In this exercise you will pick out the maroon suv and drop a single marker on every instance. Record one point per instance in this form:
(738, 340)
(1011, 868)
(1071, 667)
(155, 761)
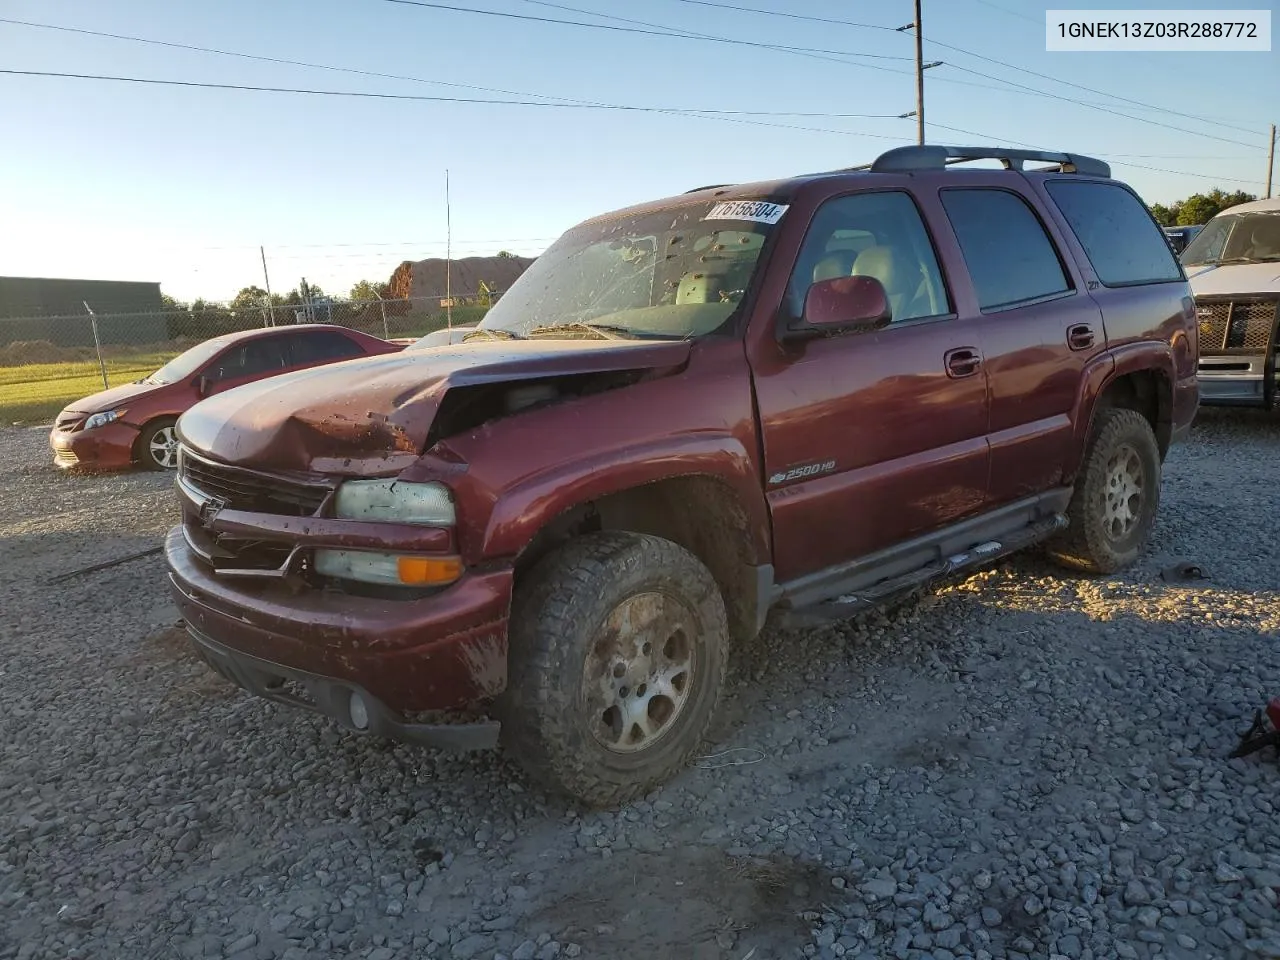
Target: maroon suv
(796, 398)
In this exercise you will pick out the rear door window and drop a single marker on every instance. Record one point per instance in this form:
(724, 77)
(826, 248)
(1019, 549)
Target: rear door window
(322, 346)
(1010, 257)
(1123, 243)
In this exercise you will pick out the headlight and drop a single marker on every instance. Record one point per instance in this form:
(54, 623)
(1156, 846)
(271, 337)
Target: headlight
(102, 419)
(388, 568)
(392, 501)
(395, 501)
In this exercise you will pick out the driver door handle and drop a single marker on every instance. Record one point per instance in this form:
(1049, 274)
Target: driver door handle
(962, 362)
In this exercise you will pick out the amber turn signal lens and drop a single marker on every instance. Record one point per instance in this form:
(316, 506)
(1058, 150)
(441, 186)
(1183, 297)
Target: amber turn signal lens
(423, 571)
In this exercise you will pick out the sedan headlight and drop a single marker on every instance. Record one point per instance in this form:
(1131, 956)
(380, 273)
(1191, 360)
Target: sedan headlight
(395, 501)
(102, 419)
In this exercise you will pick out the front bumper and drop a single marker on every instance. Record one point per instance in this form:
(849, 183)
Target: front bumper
(102, 448)
(1237, 381)
(335, 699)
(439, 653)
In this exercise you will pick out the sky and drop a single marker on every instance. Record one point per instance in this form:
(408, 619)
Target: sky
(181, 185)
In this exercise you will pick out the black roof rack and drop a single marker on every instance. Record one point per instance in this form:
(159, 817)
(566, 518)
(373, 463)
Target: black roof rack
(710, 186)
(935, 157)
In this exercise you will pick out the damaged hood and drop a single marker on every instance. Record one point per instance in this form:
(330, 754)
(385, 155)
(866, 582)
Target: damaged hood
(375, 408)
(1232, 279)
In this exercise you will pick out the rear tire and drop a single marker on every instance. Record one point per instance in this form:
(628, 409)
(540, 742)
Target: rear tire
(1117, 493)
(157, 446)
(618, 657)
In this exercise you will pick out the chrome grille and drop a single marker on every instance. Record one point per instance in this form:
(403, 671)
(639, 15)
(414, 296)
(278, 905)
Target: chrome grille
(1213, 325)
(1247, 326)
(65, 458)
(249, 490)
(69, 421)
(1252, 323)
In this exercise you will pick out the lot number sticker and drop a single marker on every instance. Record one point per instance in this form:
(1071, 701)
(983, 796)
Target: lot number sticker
(757, 211)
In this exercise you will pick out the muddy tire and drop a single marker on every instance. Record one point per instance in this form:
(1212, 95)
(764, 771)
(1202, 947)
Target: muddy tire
(1116, 496)
(157, 445)
(619, 647)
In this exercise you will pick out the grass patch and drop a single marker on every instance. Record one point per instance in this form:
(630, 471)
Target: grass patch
(35, 393)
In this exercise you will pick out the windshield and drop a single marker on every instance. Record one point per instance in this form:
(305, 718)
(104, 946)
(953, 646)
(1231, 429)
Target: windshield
(670, 274)
(1236, 238)
(187, 363)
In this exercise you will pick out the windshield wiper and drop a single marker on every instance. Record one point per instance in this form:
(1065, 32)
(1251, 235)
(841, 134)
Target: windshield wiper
(606, 331)
(496, 333)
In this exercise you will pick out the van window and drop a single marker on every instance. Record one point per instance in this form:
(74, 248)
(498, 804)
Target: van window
(1123, 243)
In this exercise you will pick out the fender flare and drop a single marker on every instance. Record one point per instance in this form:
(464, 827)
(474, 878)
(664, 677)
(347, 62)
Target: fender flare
(1102, 372)
(521, 511)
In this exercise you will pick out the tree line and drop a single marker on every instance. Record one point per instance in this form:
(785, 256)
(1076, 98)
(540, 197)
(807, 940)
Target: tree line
(1197, 209)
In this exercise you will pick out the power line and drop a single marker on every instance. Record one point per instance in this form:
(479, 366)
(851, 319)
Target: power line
(1117, 113)
(660, 32)
(525, 103)
(1078, 86)
(789, 16)
(1012, 13)
(967, 52)
(1136, 166)
(280, 60)
(668, 32)
(392, 76)
(699, 111)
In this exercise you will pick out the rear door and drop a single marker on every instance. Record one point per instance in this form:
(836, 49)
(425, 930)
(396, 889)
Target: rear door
(1039, 327)
(311, 348)
(870, 438)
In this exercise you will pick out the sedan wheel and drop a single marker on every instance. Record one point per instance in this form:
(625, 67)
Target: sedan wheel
(158, 446)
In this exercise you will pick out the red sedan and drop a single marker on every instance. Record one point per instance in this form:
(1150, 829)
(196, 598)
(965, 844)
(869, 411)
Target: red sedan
(134, 423)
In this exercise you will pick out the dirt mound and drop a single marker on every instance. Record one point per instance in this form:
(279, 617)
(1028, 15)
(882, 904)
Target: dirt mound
(426, 278)
(22, 352)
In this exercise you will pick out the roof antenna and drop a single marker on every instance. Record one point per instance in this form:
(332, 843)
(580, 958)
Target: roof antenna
(448, 255)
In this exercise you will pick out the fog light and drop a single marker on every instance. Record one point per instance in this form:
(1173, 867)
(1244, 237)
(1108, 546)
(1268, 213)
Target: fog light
(359, 712)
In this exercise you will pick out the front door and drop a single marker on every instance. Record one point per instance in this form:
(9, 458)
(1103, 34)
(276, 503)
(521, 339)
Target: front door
(251, 360)
(871, 438)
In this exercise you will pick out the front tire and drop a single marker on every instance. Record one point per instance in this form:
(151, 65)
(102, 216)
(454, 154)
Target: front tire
(157, 445)
(618, 654)
(1116, 496)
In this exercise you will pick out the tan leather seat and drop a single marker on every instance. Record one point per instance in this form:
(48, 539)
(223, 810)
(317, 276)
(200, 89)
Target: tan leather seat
(901, 276)
(838, 263)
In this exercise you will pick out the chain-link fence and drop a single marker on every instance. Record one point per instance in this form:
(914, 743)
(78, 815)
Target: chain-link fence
(48, 361)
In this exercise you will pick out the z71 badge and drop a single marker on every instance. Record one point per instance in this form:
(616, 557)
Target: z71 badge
(798, 473)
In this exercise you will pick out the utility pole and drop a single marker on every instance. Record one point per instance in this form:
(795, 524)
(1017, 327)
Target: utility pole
(919, 78)
(1271, 157)
(267, 280)
(921, 67)
(448, 256)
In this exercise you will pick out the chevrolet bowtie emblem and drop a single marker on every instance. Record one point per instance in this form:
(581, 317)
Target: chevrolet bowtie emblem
(209, 510)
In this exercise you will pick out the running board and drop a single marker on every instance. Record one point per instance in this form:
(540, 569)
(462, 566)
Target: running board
(851, 604)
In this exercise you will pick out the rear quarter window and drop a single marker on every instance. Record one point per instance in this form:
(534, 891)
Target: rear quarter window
(1121, 240)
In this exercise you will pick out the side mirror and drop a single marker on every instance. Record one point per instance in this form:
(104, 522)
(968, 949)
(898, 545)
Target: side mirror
(843, 303)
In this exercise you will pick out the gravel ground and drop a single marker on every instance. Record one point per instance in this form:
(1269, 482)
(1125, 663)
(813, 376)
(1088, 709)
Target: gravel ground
(1027, 765)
